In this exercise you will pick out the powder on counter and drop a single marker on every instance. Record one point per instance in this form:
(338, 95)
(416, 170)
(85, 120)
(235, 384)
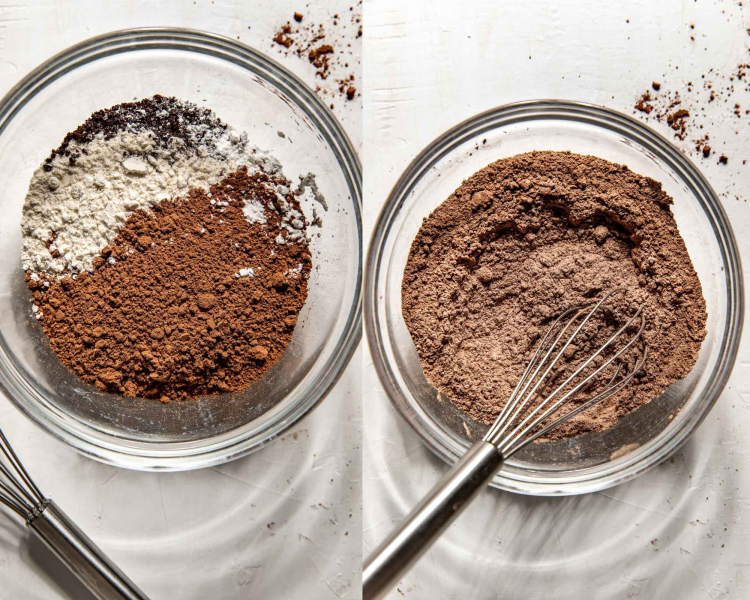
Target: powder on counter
(164, 118)
(190, 298)
(667, 112)
(681, 102)
(528, 237)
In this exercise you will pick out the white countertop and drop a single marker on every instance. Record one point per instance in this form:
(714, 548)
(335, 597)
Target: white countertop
(679, 531)
(281, 523)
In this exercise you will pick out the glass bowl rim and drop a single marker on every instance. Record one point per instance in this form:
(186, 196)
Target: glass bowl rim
(171, 456)
(633, 464)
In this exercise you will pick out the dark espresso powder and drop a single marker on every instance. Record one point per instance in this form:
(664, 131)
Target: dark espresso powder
(191, 299)
(528, 237)
(167, 119)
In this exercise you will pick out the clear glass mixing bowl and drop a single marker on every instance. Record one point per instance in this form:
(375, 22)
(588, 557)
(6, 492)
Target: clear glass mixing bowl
(648, 435)
(254, 94)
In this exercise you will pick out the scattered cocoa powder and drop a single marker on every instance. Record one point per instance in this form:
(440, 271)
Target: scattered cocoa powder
(282, 37)
(644, 103)
(149, 114)
(666, 112)
(676, 120)
(719, 85)
(166, 314)
(528, 237)
(320, 58)
(327, 48)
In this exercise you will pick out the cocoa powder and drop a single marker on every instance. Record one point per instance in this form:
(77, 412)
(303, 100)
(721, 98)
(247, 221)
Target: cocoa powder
(526, 238)
(681, 99)
(191, 298)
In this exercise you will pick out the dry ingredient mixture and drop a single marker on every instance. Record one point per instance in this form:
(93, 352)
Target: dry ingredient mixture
(166, 258)
(526, 238)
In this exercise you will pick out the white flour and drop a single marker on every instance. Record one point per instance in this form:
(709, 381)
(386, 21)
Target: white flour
(81, 207)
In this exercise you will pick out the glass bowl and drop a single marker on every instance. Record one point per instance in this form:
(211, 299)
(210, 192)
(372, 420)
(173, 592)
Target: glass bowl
(252, 93)
(648, 435)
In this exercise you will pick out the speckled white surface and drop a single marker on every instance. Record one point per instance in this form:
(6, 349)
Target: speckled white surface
(281, 523)
(679, 531)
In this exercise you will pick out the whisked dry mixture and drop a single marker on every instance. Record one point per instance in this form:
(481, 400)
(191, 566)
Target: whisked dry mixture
(526, 238)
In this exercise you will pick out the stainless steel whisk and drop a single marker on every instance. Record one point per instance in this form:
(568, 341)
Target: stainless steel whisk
(51, 525)
(518, 424)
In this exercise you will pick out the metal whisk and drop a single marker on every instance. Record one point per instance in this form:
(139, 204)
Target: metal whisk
(19, 493)
(521, 421)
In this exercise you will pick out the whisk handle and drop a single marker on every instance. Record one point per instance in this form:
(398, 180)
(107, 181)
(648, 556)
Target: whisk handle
(97, 572)
(427, 521)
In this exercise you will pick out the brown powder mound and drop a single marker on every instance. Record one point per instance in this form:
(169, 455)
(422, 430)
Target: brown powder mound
(165, 314)
(526, 238)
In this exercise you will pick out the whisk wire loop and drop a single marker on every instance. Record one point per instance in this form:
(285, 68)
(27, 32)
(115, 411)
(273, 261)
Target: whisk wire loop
(55, 529)
(17, 490)
(600, 397)
(579, 311)
(8, 450)
(577, 389)
(514, 428)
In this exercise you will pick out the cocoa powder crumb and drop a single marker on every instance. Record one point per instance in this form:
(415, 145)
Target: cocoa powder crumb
(676, 121)
(282, 38)
(320, 59)
(644, 103)
(168, 316)
(528, 237)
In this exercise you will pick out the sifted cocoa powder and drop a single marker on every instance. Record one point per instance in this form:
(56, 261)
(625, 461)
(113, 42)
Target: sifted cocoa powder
(526, 238)
(190, 299)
